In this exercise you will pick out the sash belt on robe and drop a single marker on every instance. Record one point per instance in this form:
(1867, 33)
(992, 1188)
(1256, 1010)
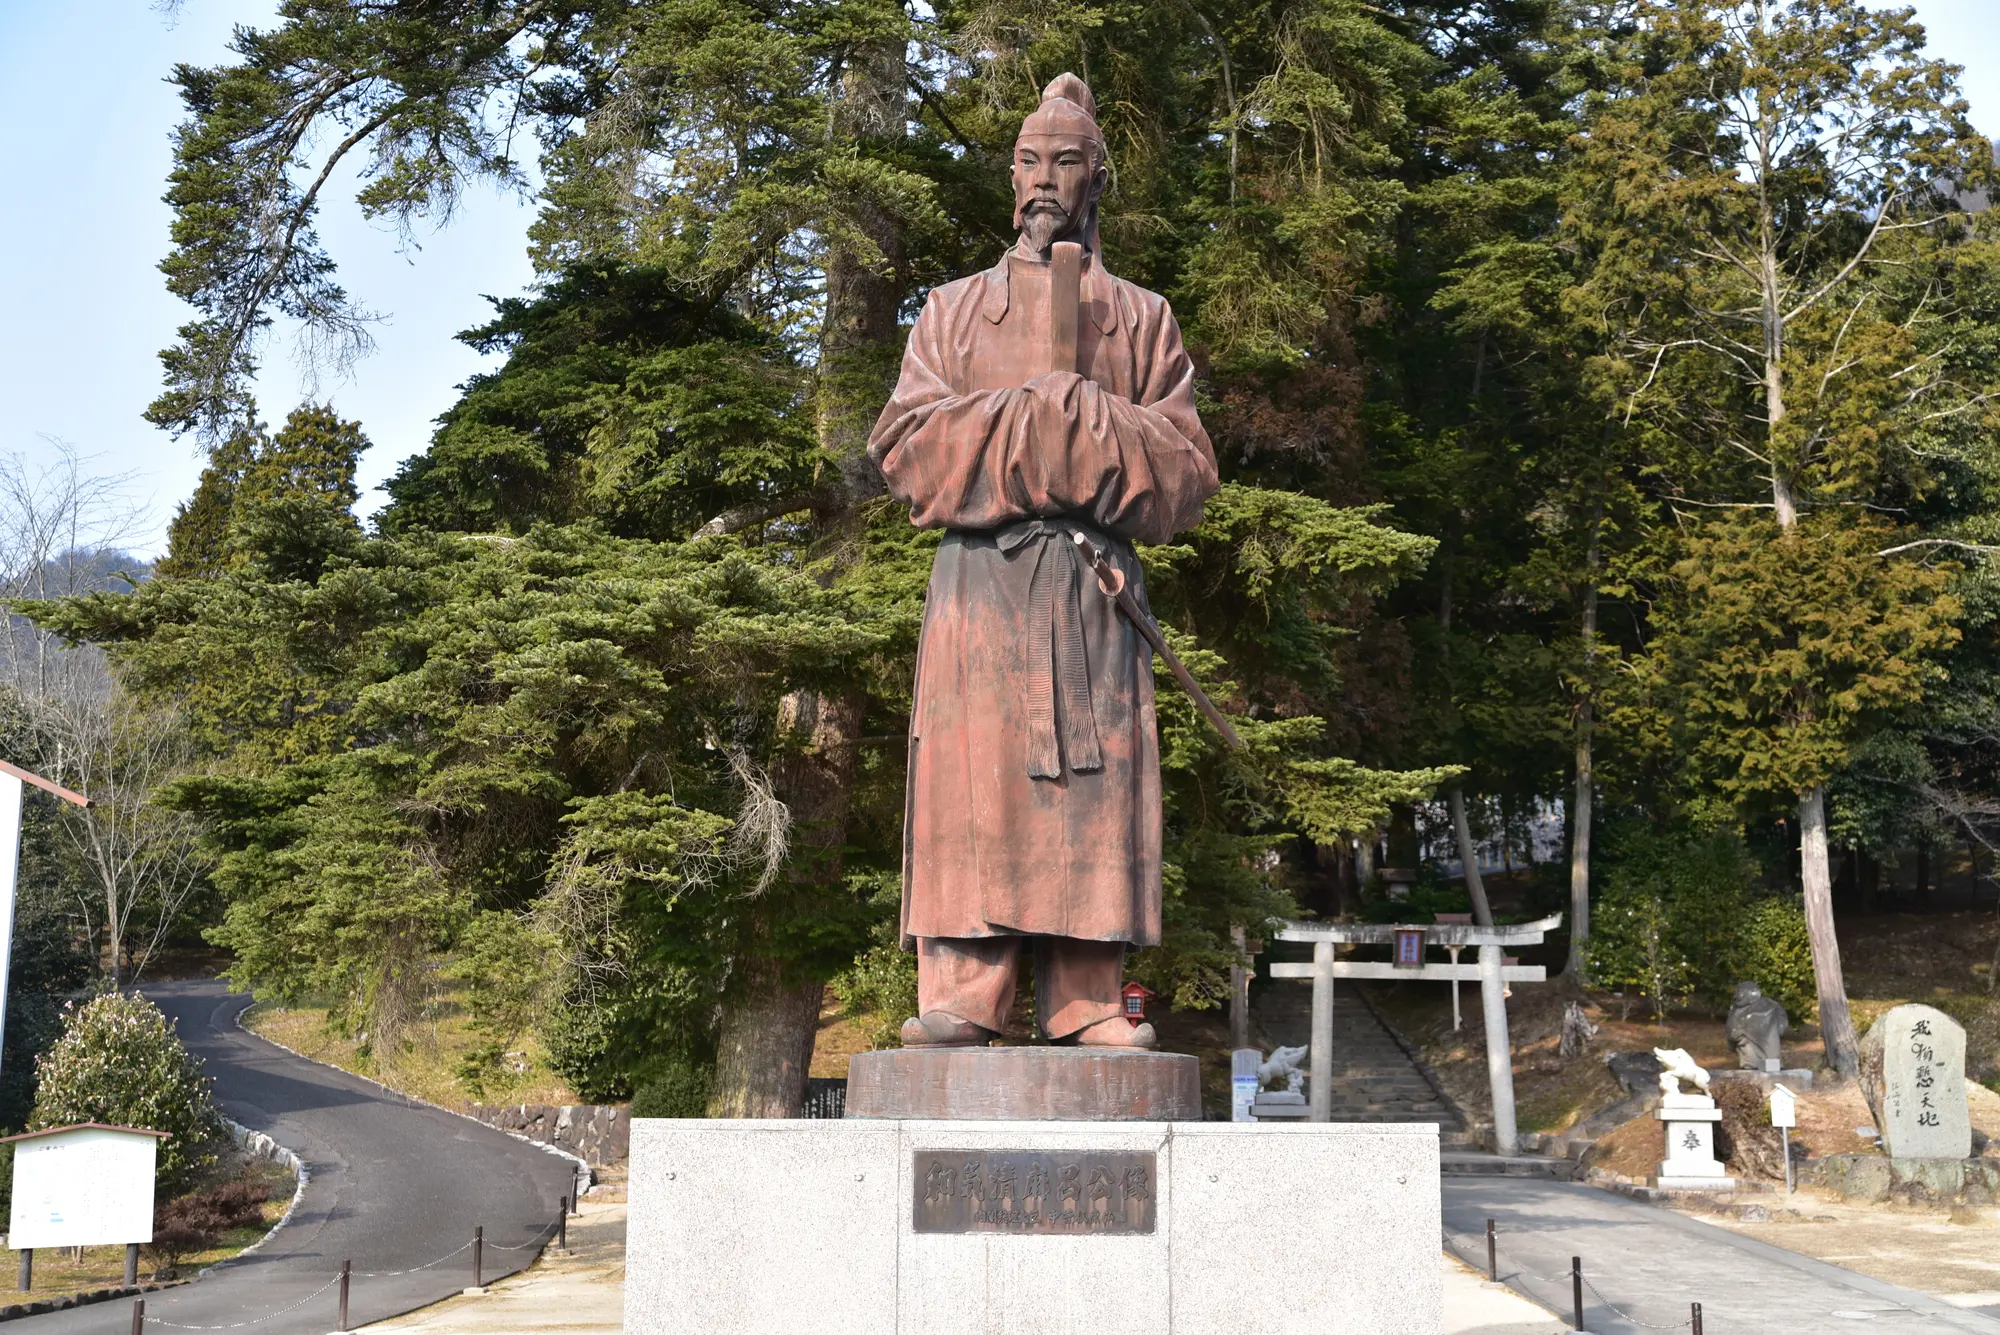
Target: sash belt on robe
(1058, 672)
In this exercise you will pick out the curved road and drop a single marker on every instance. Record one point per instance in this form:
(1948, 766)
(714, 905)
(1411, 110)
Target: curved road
(395, 1184)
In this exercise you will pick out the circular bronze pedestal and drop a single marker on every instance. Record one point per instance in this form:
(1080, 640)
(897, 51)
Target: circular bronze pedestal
(1025, 1084)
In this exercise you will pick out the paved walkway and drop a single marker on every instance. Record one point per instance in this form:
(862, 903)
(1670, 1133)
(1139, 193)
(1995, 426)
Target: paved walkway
(582, 1293)
(1474, 1307)
(1653, 1262)
(395, 1184)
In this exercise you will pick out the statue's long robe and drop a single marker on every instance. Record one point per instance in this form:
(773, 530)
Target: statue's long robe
(1034, 778)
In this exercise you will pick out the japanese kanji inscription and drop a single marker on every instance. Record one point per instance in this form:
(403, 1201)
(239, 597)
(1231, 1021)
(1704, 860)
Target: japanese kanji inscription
(1030, 1191)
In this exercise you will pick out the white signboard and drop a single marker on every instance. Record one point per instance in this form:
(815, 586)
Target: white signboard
(1242, 1094)
(1784, 1107)
(83, 1187)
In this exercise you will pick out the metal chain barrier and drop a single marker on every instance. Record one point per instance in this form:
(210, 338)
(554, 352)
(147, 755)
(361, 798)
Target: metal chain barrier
(1514, 1267)
(393, 1274)
(541, 1239)
(1624, 1315)
(253, 1321)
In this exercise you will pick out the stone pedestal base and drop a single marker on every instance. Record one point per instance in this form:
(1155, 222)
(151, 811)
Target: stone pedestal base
(1691, 1163)
(866, 1227)
(1025, 1084)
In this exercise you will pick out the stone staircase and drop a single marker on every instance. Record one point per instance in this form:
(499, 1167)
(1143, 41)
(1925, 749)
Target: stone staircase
(1376, 1077)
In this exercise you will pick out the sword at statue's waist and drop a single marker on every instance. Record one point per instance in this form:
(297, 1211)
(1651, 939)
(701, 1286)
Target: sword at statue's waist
(1111, 580)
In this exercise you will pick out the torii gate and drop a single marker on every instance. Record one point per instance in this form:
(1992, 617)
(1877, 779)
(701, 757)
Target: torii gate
(1492, 973)
(12, 777)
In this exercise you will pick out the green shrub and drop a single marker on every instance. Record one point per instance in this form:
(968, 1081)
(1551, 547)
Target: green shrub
(119, 1061)
(678, 1089)
(583, 1050)
(881, 984)
(1775, 950)
(1683, 918)
(1633, 948)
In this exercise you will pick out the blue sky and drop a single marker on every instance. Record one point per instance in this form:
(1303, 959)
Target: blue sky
(83, 309)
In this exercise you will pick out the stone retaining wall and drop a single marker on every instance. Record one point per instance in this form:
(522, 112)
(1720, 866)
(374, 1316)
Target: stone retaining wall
(1877, 1177)
(597, 1134)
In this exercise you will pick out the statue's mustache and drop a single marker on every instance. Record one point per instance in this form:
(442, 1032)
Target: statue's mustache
(1046, 205)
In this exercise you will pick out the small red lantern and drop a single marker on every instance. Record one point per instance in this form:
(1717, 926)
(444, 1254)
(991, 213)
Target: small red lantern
(1135, 995)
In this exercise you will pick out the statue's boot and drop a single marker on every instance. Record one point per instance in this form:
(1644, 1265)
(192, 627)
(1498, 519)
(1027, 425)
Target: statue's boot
(942, 1029)
(1116, 1032)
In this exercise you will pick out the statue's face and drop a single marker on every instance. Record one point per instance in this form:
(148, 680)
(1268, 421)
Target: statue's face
(1057, 181)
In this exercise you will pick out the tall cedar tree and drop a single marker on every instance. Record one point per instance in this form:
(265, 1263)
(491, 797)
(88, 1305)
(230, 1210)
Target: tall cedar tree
(1767, 193)
(736, 193)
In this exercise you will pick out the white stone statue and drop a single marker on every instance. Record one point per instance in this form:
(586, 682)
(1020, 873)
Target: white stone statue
(1679, 1067)
(1283, 1064)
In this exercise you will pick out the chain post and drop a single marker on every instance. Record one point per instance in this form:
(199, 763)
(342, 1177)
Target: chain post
(562, 1226)
(1492, 1256)
(1576, 1287)
(138, 1316)
(478, 1246)
(1694, 1317)
(346, 1274)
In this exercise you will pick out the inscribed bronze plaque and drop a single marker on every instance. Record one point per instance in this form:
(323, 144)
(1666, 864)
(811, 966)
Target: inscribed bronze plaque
(1033, 1191)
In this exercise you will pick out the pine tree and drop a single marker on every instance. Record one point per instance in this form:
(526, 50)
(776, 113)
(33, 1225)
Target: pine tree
(198, 536)
(813, 180)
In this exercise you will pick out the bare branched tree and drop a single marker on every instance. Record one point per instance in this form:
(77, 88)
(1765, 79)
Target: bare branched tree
(65, 531)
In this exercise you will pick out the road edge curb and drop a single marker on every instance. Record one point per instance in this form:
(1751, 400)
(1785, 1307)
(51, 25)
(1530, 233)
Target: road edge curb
(583, 1168)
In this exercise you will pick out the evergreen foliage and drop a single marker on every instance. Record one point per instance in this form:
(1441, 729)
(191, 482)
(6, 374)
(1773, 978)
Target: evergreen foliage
(1603, 396)
(120, 1062)
(1683, 917)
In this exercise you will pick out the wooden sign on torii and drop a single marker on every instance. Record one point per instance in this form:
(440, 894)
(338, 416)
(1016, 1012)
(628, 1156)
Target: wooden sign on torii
(1492, 973)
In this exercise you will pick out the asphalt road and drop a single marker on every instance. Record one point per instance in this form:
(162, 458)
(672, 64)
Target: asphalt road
(1646, 1264)
(395, 1184)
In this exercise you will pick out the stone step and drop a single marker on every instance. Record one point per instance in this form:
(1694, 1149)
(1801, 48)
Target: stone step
(1374, 1078)
(1469, 1163)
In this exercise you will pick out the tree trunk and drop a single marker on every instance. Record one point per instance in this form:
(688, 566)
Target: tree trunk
(113, 934)
(1482, 912)
(1239, 990)
(1836, 1026)
(1586, 721)
(1579, 849)
(770, 1014)
(766, 1045)
(861, 339)
(770, 1009)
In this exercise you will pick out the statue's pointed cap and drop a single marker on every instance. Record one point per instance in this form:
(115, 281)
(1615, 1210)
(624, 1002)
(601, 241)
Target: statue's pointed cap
(1067, 109)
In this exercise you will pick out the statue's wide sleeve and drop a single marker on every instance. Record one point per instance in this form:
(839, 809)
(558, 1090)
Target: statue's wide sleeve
(1139, 467)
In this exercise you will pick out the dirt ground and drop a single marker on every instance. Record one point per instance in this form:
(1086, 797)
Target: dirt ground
(1943, 960)
(1955, 1252)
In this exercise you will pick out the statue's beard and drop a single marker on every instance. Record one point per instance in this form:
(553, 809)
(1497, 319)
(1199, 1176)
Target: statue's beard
(1043, 221)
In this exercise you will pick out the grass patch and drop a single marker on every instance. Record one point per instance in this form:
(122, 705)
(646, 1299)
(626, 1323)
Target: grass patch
(64, 1272)
(427, 1063)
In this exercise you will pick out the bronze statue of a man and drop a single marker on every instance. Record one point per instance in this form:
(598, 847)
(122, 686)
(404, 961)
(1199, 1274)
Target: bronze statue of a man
(1034, 790)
